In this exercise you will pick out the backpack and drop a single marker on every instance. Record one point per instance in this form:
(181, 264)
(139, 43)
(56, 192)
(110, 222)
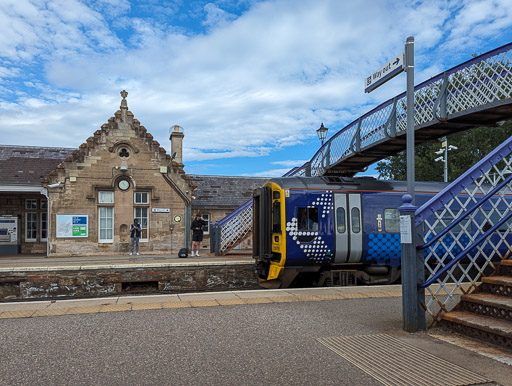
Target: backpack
(183, 252)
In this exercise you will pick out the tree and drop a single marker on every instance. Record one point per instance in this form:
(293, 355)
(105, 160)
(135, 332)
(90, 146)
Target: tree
(472, 146)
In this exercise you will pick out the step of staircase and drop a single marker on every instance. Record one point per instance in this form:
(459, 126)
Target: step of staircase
(498, 280)
(485, 328)
(487, 304)
(487, 299)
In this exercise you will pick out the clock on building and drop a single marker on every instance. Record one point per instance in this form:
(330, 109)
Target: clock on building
(123, 185)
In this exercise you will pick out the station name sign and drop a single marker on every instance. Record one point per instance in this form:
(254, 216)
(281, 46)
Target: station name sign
(391, 69)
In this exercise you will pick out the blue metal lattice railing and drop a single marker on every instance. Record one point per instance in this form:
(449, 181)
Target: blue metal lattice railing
(466, 230)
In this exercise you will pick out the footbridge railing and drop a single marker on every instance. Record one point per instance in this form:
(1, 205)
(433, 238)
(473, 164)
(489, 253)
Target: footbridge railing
(467, 230)
(475, 93)
(455, 100)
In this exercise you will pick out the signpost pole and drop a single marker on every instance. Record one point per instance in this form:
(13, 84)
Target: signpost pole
(412, 262)
(409, 68)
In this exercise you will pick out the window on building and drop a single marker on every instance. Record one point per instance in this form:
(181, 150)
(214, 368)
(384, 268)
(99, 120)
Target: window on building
(105, 197)
(44, 204)
(106, 224)
(31, 226)
(44, 226)
(141, 198)
(392, 220)
(141, 214)
(30, 204)
(206, 228)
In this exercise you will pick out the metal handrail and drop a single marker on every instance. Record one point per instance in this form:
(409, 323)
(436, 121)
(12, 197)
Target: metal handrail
(235, 212)
(459, 257)
(467, 213)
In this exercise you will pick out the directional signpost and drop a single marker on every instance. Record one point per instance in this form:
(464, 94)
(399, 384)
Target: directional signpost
(391, 69)
(412, 264)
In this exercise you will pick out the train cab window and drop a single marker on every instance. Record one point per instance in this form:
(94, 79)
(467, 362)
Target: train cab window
(392, 220)
(276, 217)
(276, 195)
(308, 219)
(355, 220)
(307, 224)
(340, 220)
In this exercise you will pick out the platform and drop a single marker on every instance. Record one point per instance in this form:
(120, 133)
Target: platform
(345, 336)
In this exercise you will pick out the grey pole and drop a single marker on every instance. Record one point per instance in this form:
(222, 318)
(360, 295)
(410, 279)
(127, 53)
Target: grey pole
(411, 262)
(409, 68)
(413, 269)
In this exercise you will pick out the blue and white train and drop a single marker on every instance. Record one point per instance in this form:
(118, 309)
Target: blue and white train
(316, 230)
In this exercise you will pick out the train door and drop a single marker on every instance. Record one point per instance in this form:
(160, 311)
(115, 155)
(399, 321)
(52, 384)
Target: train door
(348, 228)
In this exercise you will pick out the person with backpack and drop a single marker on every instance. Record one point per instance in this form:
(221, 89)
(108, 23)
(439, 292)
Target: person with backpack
(197, 233)
(135, 229)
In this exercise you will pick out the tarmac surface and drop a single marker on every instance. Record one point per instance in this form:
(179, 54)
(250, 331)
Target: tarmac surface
(324, 336)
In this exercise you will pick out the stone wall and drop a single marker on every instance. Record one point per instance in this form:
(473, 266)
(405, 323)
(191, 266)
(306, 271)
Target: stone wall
(82, 282)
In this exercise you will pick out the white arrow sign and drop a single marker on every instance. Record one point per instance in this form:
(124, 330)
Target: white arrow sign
(391, 69)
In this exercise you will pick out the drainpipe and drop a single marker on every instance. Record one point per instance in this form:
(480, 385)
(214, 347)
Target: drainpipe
(45, 192)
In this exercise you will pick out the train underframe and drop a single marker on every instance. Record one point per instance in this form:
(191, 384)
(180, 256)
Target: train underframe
(333, 275)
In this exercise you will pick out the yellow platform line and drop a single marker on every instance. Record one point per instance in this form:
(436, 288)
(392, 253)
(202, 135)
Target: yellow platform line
(192, 303)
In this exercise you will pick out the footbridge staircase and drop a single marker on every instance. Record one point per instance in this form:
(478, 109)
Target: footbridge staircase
(475, 93)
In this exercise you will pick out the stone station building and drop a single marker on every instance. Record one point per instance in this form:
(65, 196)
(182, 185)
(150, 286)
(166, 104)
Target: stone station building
(82, 201)
(65, 202)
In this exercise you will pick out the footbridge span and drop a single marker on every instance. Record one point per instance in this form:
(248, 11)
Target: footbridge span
(475, 93)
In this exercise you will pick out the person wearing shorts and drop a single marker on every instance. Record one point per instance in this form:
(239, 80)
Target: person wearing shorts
(197, 233)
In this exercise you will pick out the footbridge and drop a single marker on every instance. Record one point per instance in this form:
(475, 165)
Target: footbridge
(475, 93)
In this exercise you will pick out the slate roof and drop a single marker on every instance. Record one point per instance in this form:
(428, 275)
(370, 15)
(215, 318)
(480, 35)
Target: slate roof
(29, 164)
(223, 192)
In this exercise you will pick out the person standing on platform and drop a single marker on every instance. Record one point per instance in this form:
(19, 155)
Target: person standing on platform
(197, 233)
(135, 236)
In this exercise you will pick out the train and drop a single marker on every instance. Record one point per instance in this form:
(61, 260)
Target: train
(329, 230)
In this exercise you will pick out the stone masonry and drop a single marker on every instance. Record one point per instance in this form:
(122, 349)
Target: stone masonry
(122, 150)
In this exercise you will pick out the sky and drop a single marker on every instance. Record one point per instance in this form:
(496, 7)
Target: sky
(249, 81)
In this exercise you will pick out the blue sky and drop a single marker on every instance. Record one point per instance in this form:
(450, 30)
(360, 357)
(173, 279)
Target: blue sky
(249, 81)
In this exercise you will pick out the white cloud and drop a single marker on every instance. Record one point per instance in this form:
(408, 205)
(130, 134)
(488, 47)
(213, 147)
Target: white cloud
(252, 84)
(290, 163)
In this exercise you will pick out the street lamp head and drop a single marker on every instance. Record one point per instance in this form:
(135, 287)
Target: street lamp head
(322, 132)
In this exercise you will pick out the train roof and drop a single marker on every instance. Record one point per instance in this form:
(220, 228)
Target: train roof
(357, 183)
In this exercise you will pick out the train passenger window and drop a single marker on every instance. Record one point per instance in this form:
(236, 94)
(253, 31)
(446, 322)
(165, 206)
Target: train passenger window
(495, 217)
(391, 220)
(276, 217)
(355, 219)
(340, 220)
(307, 219)
(447, 219)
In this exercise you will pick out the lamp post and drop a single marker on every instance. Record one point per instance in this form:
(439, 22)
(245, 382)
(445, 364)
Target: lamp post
(444, 157)
(322, 133)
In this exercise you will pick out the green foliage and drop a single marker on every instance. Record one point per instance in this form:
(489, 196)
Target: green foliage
(472, 146)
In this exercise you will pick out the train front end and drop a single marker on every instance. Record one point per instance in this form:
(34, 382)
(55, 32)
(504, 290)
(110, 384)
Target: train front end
(292, 232)
(269, 243)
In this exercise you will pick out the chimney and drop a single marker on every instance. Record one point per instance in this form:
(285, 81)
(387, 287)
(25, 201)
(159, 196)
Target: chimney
(176, 138)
